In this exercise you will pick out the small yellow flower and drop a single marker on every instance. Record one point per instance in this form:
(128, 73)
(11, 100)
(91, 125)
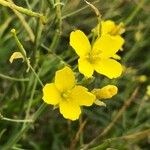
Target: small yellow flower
(109, 27)
(106, 92)
(142, 78)
(68, 96)
(99, 56)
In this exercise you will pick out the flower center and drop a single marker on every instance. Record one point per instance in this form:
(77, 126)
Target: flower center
(65, 95)
(92, 58)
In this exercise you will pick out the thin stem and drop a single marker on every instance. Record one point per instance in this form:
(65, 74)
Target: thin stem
(77, 11)
(2, 132)
(95, 10)
(28, 5)
(36, 75)
(58, 14)
(98, 15)
(135, 11)
(59, 25)
(51, 3)
(54, 54)
(78, 134)
(16, 148)
(39, 111)
(30, 101)
(20, 9)
(16, 137)
(24, 23)
(38, 34)
(13, 78)
(20, 46)
(144, 99)
(14, 120)
(134, 136)
(23, 51)
(31, 98)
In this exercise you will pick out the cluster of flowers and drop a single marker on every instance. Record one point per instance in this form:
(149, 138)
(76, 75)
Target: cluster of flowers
(99, 56)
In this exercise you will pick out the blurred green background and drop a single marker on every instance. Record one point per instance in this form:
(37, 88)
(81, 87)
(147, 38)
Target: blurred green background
(123, 125)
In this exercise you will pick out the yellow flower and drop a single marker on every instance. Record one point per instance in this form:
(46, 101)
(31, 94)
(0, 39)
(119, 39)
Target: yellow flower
(68, 96)
(97, 57)
(106, 92)
(109, 27)
(142, 78)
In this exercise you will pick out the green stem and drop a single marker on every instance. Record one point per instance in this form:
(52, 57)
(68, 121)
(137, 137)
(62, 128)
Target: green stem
(31, 99)
(135, 11)
(20, 9)
(36, 75)
(20, 46)
(144, 99)
(77, 11)
(51, 3)
(28, 5)
(58, 14)
(15, 138)
(98, 15)
(54, 54)
(14, 120)
(13, 79)
(24, 23)
(23, 52)
(59, 25)
(134, 136)
(38, 34)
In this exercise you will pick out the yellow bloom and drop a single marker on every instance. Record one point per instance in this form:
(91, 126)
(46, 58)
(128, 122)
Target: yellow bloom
(109, 27)
(142, 78)
(97, 57)
(106, 92)
(67, 95)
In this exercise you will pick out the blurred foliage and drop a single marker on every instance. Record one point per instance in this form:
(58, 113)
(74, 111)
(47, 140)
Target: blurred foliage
(50, 51)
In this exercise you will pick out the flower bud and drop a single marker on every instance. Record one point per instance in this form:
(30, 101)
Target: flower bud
(106, 92)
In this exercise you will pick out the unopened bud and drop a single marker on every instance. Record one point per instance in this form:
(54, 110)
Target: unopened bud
(106, 92)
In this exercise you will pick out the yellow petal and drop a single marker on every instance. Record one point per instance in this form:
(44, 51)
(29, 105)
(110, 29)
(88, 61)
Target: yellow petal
(81, 96)
(80, 43)
(116, 57)
(119, 29)
(69, 110)
(85, 67)
(50, 94)
(109, 68)
(106, 92)
(15, 55)
(64, 79)
(107, 45)
(111, 28)
(107, 26)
